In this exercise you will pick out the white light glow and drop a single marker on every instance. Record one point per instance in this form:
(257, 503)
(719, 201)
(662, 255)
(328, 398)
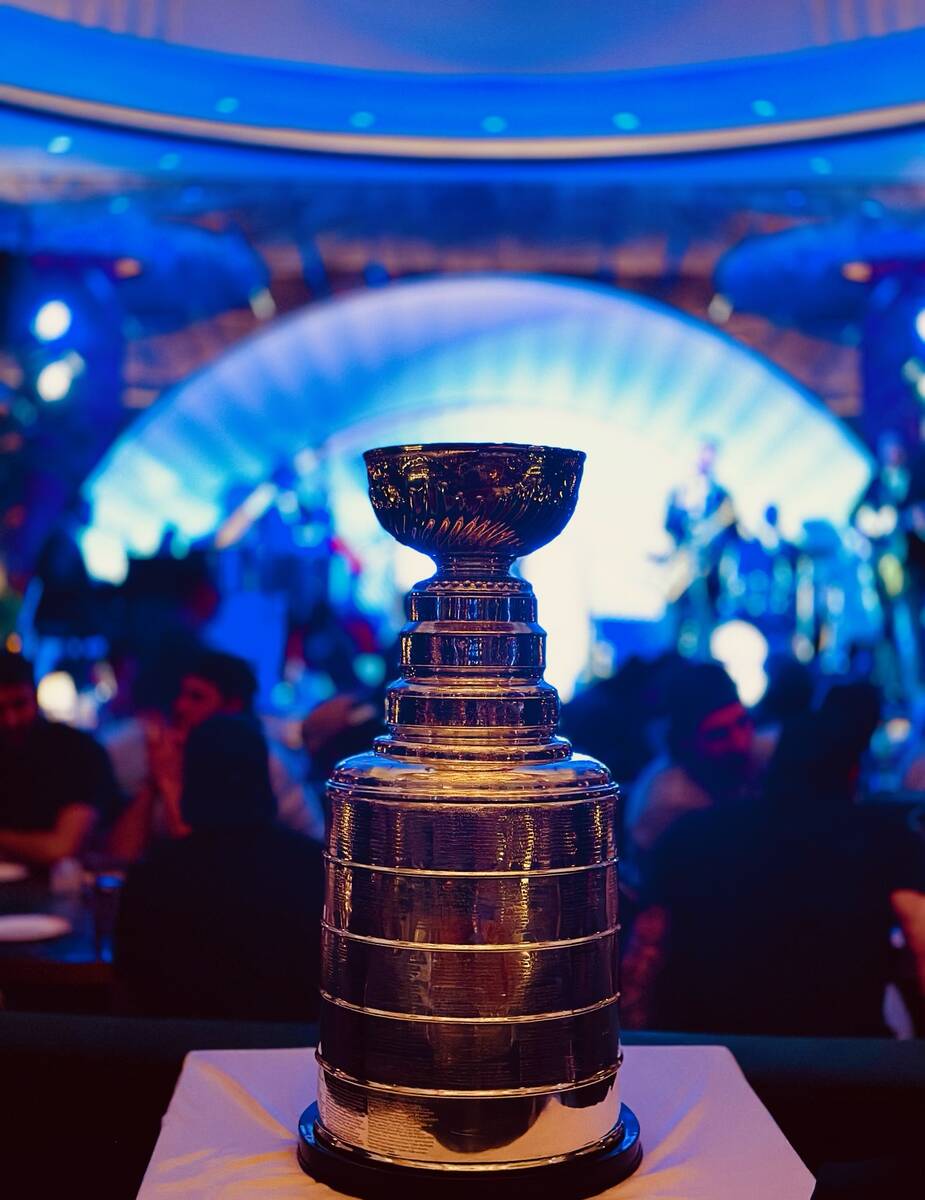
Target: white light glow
(920, 323)
(54, 381)
(743, 650)
(104, 555)
(52, 321)
(57, 696)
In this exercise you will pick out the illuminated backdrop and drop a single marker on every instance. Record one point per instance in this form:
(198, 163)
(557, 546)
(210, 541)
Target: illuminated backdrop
(634, 384)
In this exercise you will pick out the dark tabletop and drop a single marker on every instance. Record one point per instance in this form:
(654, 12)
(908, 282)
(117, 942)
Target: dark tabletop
(81, 958)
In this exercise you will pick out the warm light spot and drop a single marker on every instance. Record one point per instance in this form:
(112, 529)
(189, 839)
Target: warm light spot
(57, 696)
(857, 272)
(127, 268)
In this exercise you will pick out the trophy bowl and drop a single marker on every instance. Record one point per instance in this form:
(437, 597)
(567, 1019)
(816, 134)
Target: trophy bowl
(495, 499)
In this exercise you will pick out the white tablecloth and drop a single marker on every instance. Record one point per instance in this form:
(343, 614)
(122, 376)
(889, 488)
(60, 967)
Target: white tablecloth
(229, 1130)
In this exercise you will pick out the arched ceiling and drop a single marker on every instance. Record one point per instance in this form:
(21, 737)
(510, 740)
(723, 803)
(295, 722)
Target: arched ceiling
(498, 82)
(528, 36)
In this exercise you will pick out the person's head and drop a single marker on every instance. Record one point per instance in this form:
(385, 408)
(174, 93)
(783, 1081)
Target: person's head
(709, 729)
(818, 761)
(19, 709)
(847, 720)
(213, 683)
(789, 692)
(226, 775)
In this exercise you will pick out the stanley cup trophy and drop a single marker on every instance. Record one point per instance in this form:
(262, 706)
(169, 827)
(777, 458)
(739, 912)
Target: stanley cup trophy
(469, 1029)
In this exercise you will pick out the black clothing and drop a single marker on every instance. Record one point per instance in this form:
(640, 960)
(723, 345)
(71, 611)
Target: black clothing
(53, 767)
(223, 924)
(775, 926)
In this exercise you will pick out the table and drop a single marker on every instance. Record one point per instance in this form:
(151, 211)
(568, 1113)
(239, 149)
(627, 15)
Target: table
(229, 1130)
(65, 973)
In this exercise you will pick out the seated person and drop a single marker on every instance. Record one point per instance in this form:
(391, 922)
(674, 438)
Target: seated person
(710, 759)
(147, 752)
(225, 922)
(337, 728)
(55, 782)
(773, 916)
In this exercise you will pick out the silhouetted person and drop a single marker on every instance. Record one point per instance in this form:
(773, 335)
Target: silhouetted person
(224, 922)
(699, 519)
(56, 784)
(774, 916)
(609, 720)
(147, 754)
(788, 698)
(710, 757)
(336, 728)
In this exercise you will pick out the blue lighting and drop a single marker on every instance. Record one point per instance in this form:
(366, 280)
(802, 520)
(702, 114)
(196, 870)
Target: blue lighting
(227, 105)
(764, 108)
(119, 205)
(292, 103)
(362, 119)
(920, 323)
(52, 321)
(820, 165)
(169, 161)
(60, 144)
(494, 124)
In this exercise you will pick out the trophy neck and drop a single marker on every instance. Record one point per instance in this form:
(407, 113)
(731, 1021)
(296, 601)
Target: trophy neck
(472, 661)
(474, 565)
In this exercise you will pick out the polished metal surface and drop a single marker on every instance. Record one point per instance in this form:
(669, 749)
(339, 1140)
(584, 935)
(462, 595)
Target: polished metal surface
(469, 970)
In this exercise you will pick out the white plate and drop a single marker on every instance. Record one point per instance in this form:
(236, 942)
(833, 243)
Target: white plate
(32, 927)
(12, 872)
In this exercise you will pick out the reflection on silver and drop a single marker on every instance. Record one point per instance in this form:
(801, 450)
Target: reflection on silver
(469, 979)
(473, 1130)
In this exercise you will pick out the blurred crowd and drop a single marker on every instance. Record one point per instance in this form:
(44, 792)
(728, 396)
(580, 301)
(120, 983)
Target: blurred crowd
(217, 827)
(759, 894)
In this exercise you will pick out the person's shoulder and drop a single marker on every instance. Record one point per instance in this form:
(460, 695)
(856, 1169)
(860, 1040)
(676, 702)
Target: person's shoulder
(58, 738)
(672, 783)
(654, 772)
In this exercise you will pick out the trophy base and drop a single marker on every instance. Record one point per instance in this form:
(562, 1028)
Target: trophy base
(584, 1175)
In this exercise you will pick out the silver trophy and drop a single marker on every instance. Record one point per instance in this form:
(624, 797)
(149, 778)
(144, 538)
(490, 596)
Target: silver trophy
(469, 1026)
